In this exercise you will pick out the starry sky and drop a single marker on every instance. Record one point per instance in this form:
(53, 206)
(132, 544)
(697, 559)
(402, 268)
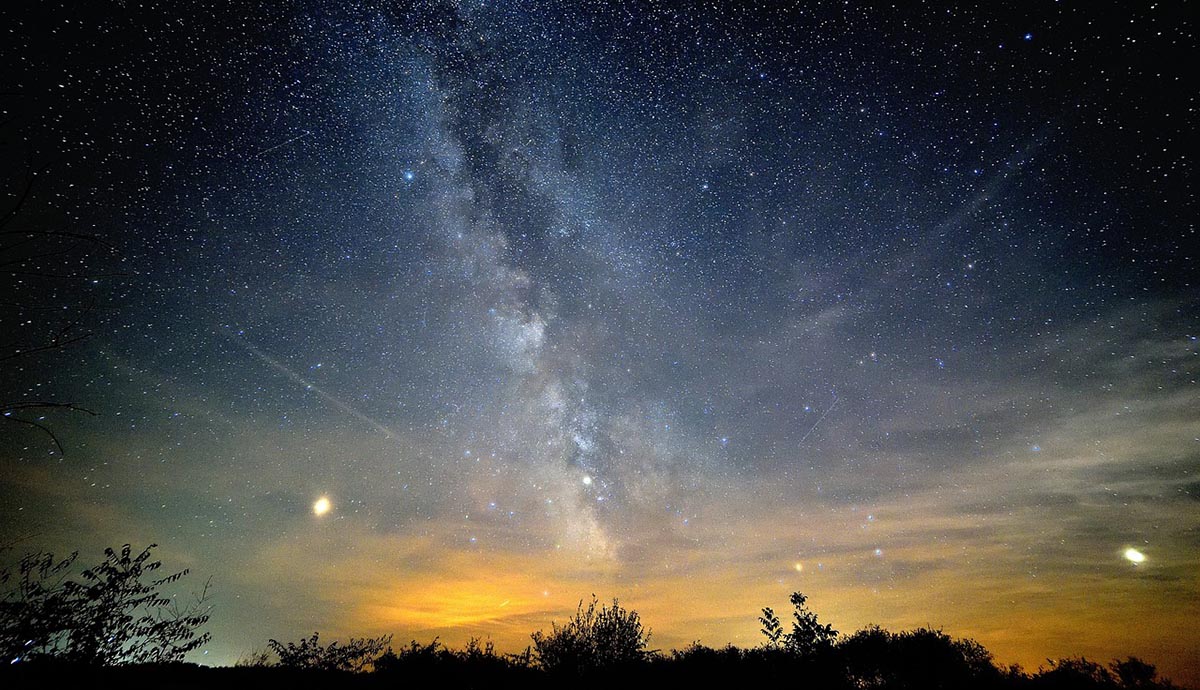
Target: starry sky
(434, 318)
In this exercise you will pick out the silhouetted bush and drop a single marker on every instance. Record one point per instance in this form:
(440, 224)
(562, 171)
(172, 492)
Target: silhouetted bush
(258, 658)
(595, 638)
(414, 657)
(876, 658)
(696, 662)
(1078, 673)
(356, 655)
(697, 655)
(476, 665)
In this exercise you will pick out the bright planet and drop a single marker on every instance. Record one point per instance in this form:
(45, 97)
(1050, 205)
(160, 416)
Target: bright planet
(321, 506)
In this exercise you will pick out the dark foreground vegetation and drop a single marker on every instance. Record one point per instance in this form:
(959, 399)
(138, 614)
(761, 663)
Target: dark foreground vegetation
(116, 625)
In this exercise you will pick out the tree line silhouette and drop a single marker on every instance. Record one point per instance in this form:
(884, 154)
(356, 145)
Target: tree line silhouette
(119, 622)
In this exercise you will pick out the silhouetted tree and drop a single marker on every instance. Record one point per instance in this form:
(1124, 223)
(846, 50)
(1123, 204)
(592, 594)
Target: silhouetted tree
(595, 638)
(1135, 673)
(772, 629)
(112, 614)
(808, 636)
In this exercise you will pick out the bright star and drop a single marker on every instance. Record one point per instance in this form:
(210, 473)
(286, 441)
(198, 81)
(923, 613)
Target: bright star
(587, 481)
(1134, 556)
(322, 506)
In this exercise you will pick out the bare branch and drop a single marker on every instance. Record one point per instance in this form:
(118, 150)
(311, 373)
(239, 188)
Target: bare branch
(52, 345)
(59, 233)
(44, 405)
(22, 197)
(45, 429)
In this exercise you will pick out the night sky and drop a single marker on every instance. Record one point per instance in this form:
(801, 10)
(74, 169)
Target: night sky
(693, 306)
